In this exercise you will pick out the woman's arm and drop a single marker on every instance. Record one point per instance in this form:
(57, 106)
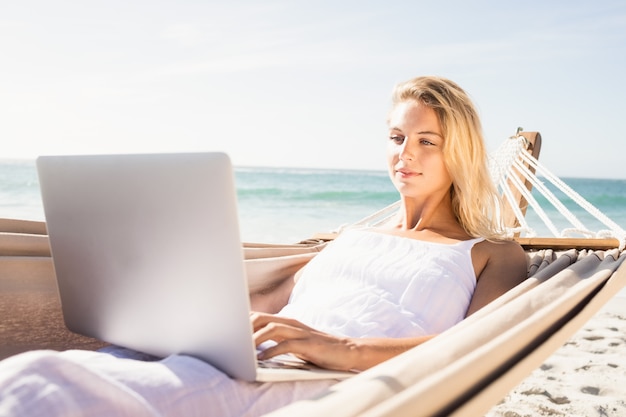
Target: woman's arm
(273, 296)
(325, 350)
(500, 266)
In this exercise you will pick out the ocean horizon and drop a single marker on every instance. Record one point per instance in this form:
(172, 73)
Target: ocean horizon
(286, 205)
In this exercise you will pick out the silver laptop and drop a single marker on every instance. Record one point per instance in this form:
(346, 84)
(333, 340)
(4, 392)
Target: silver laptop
(147, 254)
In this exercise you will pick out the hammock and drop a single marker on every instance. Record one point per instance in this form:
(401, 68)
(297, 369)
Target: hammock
(463, 371)
(469, 368)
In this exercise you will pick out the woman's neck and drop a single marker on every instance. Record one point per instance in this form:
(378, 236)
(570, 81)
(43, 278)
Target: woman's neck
(427, 220)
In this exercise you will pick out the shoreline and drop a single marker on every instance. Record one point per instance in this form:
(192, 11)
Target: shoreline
(585, 377)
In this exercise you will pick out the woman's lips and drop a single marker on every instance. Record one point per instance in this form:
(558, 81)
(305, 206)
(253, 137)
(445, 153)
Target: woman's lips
(406, 173)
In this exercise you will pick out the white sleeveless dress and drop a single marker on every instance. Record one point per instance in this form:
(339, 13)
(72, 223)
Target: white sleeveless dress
(363, 284)
(371, 284)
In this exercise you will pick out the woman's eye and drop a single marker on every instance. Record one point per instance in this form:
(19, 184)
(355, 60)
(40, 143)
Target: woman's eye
(426, 142)
(399, 140)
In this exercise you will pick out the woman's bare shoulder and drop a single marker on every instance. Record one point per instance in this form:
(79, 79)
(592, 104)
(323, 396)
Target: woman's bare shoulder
(500, 247)
(503, 255)
(499, 267)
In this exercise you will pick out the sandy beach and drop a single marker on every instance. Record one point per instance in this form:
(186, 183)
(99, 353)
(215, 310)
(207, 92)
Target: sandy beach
(586, 377)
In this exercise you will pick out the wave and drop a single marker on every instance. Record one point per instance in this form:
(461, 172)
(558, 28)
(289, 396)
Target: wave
(309, 171)
(339, 196)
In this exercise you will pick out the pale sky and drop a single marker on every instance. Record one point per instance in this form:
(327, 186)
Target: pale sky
(307, 83)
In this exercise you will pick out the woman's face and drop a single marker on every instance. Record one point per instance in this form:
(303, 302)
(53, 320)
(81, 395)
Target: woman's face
(415, 151)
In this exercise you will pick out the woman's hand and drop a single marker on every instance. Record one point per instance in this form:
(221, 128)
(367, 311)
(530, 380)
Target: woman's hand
(325, 350)
(308, 344)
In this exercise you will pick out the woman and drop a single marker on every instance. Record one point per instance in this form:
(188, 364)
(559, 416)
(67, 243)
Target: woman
(370, 295)
(436, 160)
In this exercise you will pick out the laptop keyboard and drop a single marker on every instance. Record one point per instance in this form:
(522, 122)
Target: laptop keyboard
(285, 362)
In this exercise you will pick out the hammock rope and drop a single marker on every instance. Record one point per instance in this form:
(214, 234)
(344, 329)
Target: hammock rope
(534, 204)
(511, 162)
(511, 165)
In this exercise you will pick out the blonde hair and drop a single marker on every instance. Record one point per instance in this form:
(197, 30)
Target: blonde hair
(475, 200)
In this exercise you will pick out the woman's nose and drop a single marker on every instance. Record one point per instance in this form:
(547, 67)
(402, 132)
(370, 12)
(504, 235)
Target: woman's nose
(407, 152)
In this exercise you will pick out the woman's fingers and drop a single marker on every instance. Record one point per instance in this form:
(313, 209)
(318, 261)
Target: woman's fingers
(291, 346)
(293, 337)
(261, 320)
(278, 332)
(267, 327)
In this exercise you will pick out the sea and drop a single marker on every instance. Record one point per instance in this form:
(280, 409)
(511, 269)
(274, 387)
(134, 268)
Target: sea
(287, 205)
